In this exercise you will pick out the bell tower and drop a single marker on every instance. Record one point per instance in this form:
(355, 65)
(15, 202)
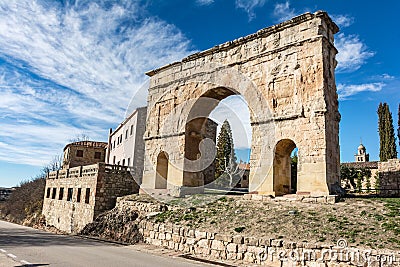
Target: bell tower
(362, 155)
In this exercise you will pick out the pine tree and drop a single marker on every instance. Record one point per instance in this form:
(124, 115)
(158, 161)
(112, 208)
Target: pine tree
(225, 162)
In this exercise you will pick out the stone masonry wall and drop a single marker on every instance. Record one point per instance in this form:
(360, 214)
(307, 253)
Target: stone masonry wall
(104, 184)
(113, 181)
(253, 250)
(389, 177)
(72, 159)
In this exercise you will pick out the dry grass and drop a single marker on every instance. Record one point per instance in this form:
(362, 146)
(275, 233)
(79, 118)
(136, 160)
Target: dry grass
(368, 223)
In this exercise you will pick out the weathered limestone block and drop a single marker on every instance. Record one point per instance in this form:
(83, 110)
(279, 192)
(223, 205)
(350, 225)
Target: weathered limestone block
(200, 234)
(251, 241)
(238, 239)
(218, 245)
(249, 257)
(225, 238)
(232, 248)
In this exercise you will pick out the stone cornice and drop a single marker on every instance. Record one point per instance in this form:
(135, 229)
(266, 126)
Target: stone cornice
(242, 40)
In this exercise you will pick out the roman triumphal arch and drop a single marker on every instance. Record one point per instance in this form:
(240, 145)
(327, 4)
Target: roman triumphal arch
(286, 74)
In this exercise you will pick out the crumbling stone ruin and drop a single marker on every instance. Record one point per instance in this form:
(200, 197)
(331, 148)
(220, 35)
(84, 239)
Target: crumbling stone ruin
(286, 74)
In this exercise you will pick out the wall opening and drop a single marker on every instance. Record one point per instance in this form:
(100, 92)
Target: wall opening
(87, 196)
(69, 194)
(78, 195)
(61, 193)
(162, 171)
(203, 125)
(285, 177)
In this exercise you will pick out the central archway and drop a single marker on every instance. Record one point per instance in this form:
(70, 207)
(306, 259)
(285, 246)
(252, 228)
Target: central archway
(200, 137)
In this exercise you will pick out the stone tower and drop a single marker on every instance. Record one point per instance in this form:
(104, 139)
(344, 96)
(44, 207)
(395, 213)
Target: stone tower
(362, 155)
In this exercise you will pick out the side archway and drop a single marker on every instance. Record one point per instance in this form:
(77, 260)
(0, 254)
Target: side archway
(162, 171)
(284, 183)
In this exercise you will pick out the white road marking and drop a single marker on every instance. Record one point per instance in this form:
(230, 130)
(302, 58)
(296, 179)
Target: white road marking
(11, 255)
(26, 262)
(3, 251)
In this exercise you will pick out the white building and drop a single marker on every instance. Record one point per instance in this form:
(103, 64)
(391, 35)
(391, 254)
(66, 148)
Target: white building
(126, 144)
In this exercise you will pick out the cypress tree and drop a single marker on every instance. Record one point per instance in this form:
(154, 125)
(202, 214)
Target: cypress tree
(381, 130)
(387, 138)
(390, 136)
(398, 125)
(225, 159)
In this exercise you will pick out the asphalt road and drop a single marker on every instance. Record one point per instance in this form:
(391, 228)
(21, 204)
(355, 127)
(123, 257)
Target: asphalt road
(24, 246)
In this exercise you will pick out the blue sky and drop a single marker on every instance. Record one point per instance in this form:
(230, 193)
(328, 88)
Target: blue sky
(71, 67)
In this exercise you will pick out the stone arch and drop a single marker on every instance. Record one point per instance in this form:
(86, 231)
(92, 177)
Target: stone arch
(286, 78)
(162, 171)
(200, 138)
(282, 168)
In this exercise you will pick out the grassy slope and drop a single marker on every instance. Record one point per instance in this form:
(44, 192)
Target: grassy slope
(370, 223)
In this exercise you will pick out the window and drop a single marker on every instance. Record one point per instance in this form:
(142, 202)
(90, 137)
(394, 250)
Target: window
(244, 177)
(118, 162)
(69, 194)
(79, 153)
(110, 146)
(123, 162)
(97, 155)
(61, 193)
(114, 144)
(114, 160)
(120, 137)
(48, 192)
(126, 134)
(87, 196)
(131, 129)
(129, 162)
(53, 195)
(78, 195)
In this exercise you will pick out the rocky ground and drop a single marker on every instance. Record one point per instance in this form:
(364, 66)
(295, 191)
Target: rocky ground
(367, 223)
(118, 224)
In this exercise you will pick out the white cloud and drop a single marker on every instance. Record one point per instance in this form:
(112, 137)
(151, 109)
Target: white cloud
(283, 12)
(249, 6)
(343, 21)
(72, 68)
(344, 91)
(353, 53)
(386, 76)
(204, 2)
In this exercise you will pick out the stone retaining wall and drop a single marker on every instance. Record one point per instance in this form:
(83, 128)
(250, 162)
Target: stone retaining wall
(389, 177)
(246, 250)
(306, 198)
(251, 250)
